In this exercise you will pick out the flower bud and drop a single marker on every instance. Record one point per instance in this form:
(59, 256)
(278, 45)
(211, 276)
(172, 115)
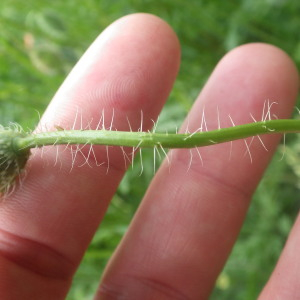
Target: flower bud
(12, 159)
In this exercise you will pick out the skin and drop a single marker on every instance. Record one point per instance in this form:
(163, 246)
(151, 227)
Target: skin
(188, 222)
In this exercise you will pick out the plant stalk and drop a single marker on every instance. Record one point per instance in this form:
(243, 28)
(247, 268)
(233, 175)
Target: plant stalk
(150, 139)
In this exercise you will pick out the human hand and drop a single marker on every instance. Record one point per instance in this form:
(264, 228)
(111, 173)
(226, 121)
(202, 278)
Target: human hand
(188, 222)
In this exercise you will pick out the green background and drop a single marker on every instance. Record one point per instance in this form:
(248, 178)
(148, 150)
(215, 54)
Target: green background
(40, 41)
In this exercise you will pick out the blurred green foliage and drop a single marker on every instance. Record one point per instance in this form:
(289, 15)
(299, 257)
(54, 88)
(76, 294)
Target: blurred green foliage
(40, 41)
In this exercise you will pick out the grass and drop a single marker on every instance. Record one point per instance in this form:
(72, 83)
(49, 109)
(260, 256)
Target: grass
(40, 42)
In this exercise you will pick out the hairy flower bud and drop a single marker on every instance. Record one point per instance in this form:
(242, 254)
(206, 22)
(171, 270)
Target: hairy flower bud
(12, 159)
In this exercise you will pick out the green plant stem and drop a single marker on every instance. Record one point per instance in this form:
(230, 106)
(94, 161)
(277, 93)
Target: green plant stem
(150, 139)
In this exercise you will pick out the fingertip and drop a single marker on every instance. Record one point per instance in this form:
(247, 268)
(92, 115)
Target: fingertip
(267, 62)
(133, 62)
(247, 77)
(274, 55)
(156, 43)
(150, 22)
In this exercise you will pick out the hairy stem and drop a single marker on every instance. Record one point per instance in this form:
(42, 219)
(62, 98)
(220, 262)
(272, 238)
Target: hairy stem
(15, 145)
(150, 140)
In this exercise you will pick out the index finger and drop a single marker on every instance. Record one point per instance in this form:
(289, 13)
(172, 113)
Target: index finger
(48, 222)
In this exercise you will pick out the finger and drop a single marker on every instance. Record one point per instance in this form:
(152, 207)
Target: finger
(285, 279)
(190, 217)
(48, 222)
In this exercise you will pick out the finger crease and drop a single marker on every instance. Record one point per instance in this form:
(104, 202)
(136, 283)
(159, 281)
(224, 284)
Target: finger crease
(35, 257)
